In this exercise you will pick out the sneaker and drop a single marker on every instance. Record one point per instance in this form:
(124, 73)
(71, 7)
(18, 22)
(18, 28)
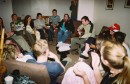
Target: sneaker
(59, 44)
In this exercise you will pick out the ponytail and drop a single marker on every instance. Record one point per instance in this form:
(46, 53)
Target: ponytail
(124, 77)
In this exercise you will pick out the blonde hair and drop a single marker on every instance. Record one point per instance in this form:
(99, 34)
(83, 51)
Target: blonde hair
(40, 47)
(117, 57)
(9, 52)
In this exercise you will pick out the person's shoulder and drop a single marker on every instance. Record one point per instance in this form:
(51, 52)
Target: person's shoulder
(35, 21)
(57, 16)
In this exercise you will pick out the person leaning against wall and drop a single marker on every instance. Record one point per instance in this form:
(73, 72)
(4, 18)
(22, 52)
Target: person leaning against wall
(42, 53)
(74, 9)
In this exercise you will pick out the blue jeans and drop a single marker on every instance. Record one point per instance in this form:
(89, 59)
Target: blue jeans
(50, 33)
(62, 36)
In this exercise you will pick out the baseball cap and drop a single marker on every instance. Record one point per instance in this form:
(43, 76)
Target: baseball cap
(115, 27)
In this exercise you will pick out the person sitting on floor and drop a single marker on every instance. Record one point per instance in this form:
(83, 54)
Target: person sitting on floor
(114, 56)
(66, 28)
(42, 53)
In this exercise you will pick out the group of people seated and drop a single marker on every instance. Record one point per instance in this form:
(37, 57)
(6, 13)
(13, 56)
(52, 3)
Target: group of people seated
(108, 51)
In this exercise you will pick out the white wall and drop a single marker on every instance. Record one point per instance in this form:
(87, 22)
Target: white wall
(32, 7)
(5, 13)
(86, 8)
(119, 15)
(21, 7)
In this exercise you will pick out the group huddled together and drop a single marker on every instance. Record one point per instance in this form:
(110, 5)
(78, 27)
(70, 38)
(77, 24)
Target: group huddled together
(108, 51)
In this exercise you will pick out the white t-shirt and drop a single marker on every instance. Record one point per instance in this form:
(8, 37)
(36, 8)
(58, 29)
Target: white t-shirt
(24, 58)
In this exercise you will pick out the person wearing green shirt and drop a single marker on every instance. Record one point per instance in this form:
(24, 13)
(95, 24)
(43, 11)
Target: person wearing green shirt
(87, 26)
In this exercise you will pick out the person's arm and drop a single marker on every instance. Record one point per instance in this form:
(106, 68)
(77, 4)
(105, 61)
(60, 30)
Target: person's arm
(79, 29)
(60, 24)
(82, 74)
(35, 24)
(95, 65)
(52, 55)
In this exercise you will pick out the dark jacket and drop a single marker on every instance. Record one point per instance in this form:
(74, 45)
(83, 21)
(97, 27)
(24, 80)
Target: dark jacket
(69, 25)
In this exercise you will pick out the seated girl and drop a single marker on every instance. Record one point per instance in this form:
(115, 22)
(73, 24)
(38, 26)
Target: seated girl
(66, 28)
(42, 53)
(29, 26)
(114, 56)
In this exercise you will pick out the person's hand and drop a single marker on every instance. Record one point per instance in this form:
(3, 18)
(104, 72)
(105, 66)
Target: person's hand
(95, 59)
(66, 31)
(44, 27)
(87, 47)
(60, 28)
(54, 26)
(52, 55)
(7, 41)
(92, 46)
(78, 29)
(20, 55)
(79, 72)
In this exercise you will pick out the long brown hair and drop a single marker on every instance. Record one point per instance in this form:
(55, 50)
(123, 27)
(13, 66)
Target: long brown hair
(26, 21)
(117, 57)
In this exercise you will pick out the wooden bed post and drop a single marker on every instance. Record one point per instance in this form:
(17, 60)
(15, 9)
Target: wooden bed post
(2, 68)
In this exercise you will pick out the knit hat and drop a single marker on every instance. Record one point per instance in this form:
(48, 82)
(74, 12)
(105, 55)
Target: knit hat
(115, 27)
